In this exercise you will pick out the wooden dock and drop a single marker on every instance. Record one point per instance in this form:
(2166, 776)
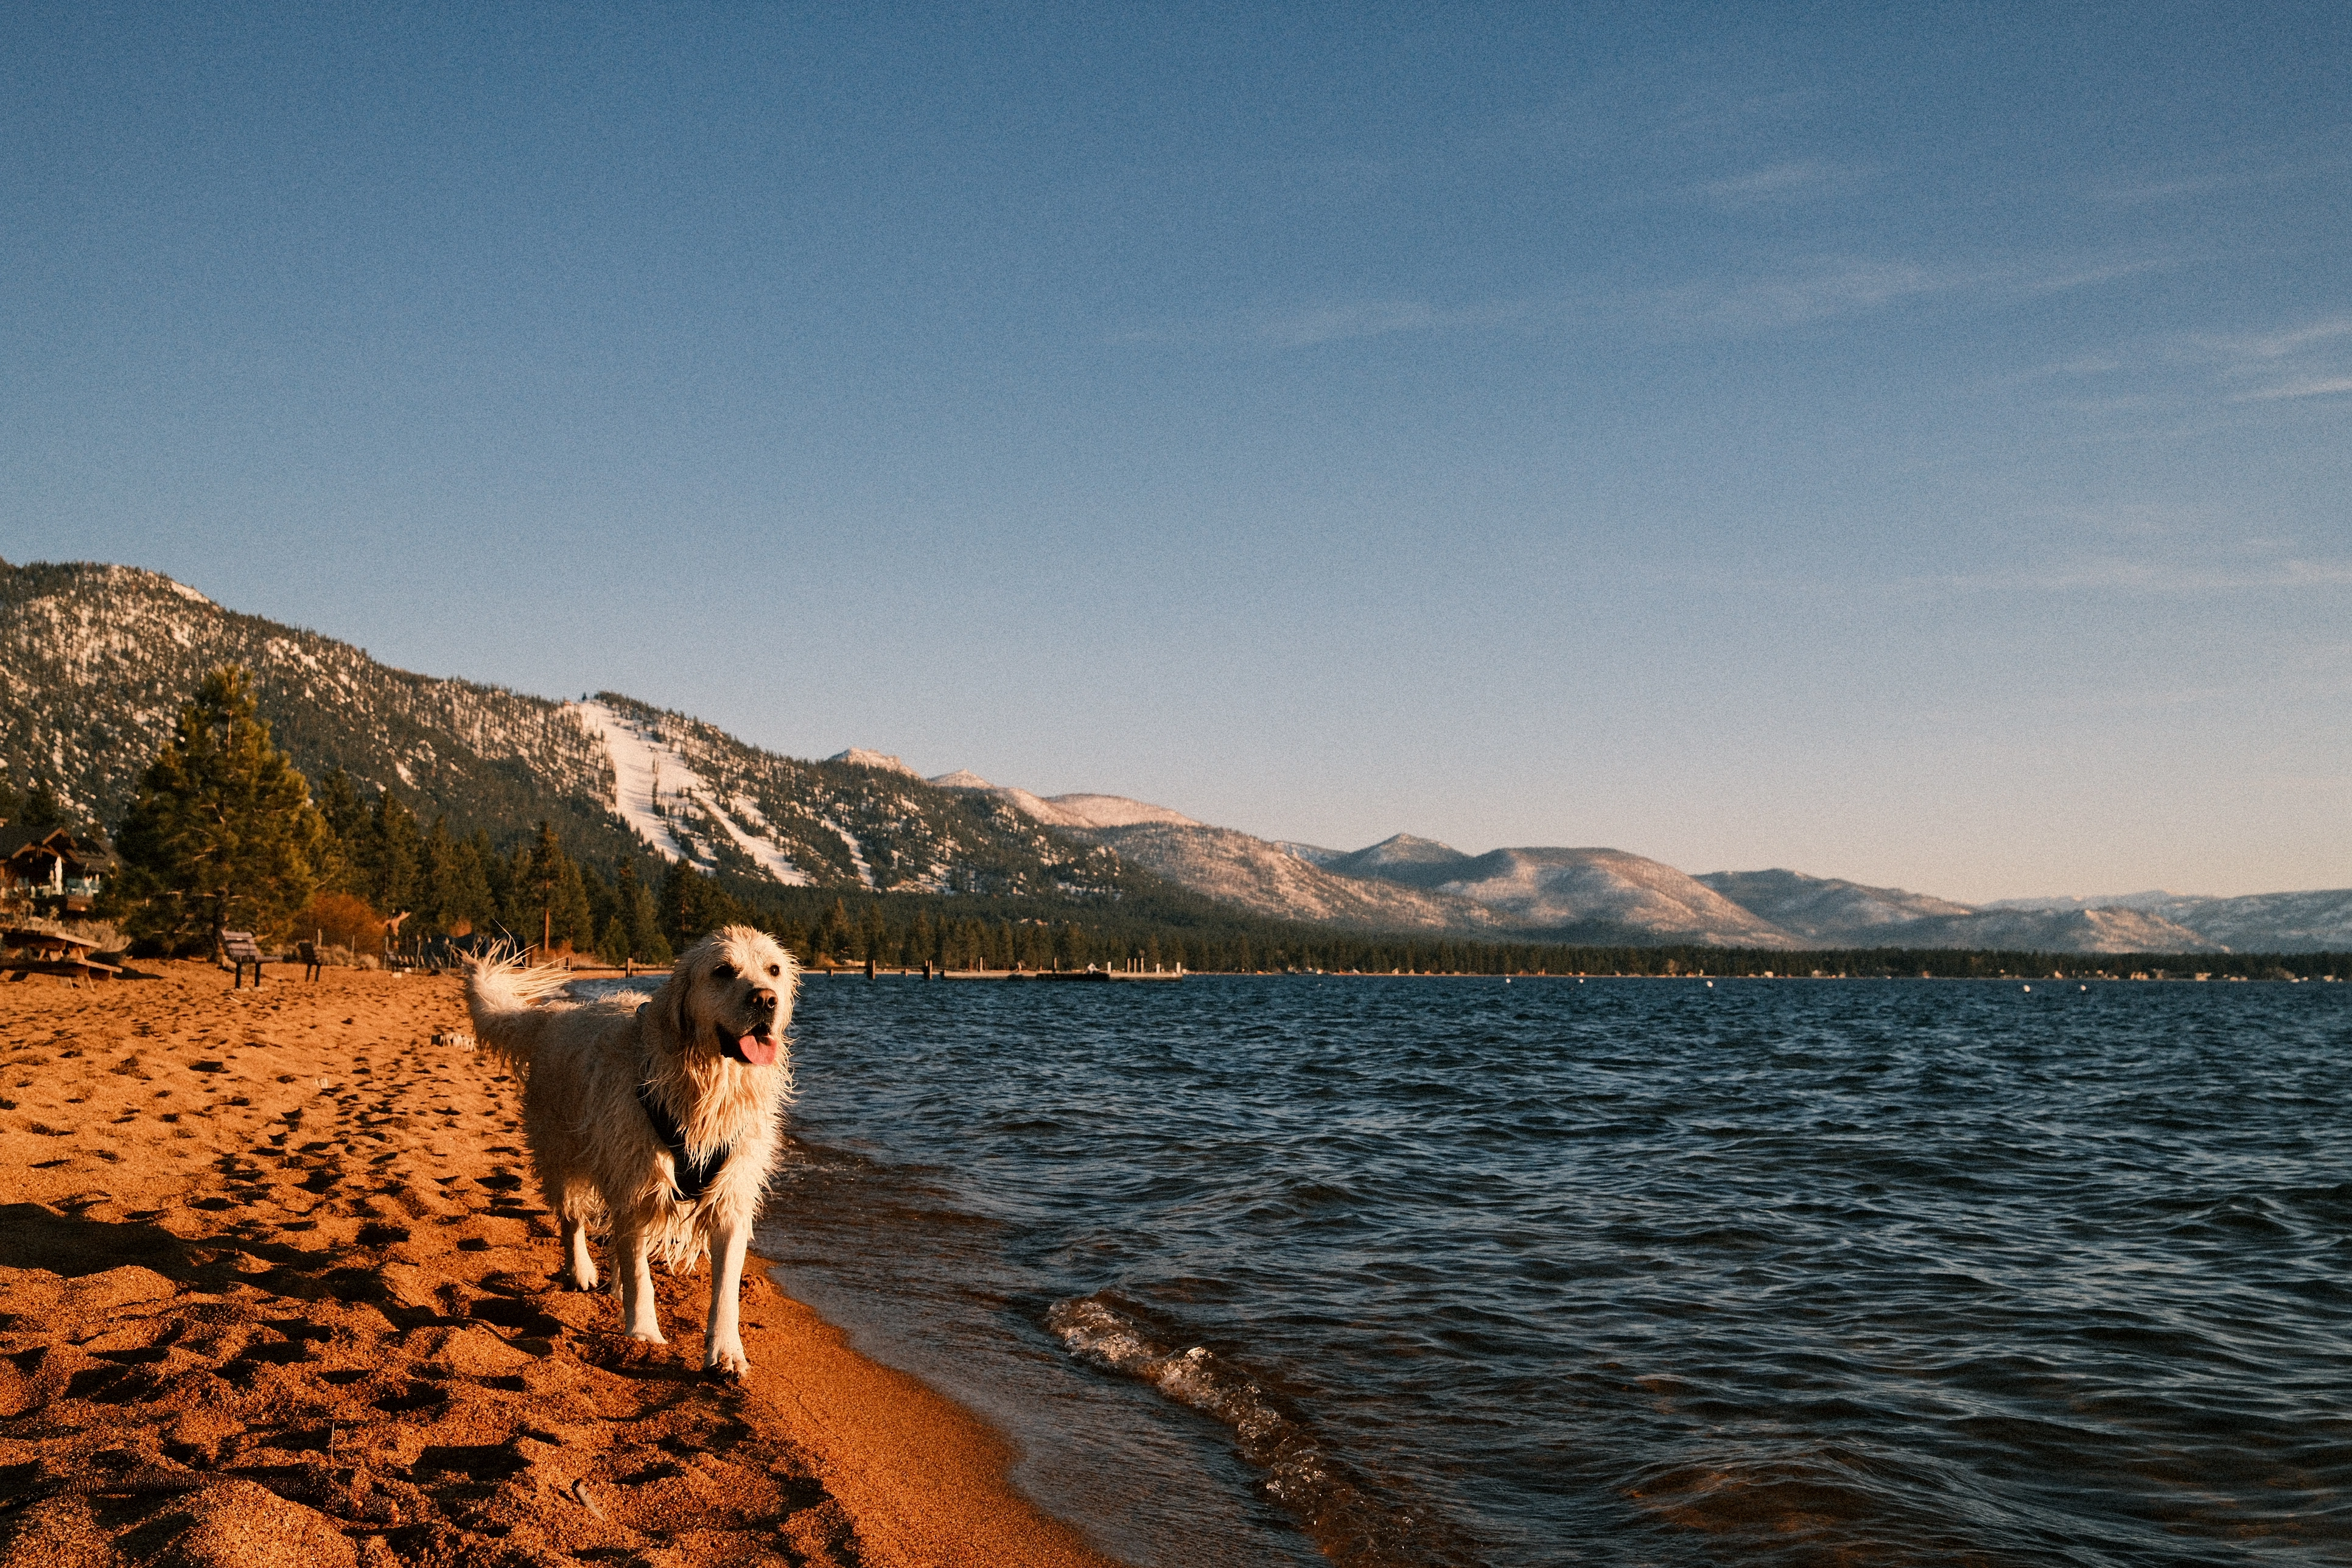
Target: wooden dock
(1089, 976)
(872, 971)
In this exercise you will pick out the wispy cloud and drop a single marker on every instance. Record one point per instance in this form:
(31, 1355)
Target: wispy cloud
(2123, 574)
(1845, 289)
(2311, 359)
(2281, 344)
(1832, 289)
(1341, 322)
(2083, 365)
(2290, 362)
(2153, 548)
(2089, 276)
(2308, 386)
(1362, 318)
(1825, 289)
(1782, 182)
(2215, 178)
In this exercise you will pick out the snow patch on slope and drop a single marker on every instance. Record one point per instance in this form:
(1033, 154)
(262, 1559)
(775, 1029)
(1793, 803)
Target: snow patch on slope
(856, 850)
(645, 768)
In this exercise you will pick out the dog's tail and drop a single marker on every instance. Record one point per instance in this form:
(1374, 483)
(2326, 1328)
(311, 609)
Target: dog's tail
(501, 994)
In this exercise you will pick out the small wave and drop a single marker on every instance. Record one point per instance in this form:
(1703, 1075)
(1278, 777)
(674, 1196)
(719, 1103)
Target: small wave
(1347, 1515)
(616, 986)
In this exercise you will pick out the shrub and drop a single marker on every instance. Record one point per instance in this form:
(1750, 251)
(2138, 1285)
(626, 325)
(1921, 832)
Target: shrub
(339, 920)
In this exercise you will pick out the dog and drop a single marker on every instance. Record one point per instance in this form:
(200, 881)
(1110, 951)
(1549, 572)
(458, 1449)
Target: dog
(658, 1118)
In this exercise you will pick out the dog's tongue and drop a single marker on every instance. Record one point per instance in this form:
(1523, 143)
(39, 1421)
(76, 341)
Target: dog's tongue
(757, 1051)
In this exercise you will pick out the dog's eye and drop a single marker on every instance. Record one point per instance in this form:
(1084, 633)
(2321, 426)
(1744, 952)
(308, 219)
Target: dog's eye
(775, 969)
(722, 972)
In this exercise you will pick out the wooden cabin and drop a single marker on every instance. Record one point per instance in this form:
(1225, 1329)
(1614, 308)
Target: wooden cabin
(58, 871)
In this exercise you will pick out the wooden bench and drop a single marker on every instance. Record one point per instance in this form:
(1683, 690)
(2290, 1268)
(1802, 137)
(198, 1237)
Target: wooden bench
(310, 961)
(239, 948)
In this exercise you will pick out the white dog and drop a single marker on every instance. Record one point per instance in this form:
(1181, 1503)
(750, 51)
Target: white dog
(657, 1117)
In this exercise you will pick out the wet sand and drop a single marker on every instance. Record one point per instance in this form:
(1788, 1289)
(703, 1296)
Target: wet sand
(276, 1288)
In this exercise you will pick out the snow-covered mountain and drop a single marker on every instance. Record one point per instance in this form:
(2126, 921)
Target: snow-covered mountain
(2316, 922)
(1069, 810)
(2155, 899)
(1567, 890)
(1828, 909)
(860, 757)
(95, 662)
(1408, 883)
(1263, 877)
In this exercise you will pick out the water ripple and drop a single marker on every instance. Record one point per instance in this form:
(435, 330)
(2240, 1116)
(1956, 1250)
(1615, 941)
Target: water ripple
(1433, 1272)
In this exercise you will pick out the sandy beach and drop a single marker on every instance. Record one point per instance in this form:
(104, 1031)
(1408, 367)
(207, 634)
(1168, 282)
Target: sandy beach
(276, 1288)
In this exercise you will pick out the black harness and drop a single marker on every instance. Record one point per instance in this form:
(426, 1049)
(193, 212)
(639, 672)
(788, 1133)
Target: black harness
(693, 1177)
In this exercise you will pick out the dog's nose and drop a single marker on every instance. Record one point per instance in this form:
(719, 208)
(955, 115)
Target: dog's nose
(764, 998)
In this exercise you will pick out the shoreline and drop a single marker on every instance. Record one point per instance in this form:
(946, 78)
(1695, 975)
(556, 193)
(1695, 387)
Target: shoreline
(275, 1286)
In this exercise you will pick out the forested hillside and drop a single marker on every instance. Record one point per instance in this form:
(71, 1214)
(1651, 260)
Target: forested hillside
(96, 661)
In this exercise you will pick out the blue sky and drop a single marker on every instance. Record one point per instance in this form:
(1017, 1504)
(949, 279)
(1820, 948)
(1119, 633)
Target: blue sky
(1911, 450)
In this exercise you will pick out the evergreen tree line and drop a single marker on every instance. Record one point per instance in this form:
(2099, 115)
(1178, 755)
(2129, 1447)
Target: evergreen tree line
(37, 810)
(534, 892)
(897, 930)
(225, 832)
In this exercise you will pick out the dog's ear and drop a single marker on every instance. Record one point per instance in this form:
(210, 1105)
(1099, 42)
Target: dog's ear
(684, 981)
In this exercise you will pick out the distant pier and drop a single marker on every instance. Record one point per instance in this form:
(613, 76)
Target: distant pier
(873, 972)
(1065, 974)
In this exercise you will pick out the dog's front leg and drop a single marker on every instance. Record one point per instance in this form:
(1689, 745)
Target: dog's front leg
(636, 1268)
(722, 1337)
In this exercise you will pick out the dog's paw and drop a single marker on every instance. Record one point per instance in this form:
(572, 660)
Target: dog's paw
(724, 1364)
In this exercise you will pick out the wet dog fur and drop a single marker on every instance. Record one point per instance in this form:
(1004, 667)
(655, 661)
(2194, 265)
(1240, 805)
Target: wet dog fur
(696, 1045)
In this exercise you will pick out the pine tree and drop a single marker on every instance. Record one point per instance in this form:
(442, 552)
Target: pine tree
(339, 802)
(832, 938)
(641, 928)
(41, 810)
(222, 832)
(468, 903)
(691, 904)
(551, 896)
(391, 856)
(569, 918)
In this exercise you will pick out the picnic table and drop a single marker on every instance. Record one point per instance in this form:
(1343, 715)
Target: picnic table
(55, 952)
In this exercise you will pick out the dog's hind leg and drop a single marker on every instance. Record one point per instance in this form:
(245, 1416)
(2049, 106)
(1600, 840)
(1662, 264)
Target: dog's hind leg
(633, 1261)
(580, 1206)
(722, 1339)
(579, 1266)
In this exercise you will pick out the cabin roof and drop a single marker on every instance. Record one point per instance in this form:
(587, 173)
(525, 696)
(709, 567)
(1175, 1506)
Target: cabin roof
(82, 856)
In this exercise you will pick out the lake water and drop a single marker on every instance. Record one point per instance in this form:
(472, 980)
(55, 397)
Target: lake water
(1423, 1271)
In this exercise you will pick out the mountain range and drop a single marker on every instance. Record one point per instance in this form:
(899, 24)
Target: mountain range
(95, 661)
